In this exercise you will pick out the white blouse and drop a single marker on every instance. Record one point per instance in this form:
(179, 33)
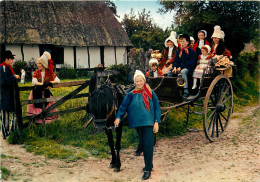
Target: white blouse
(34, 80)
(170, 53)
(201, 43)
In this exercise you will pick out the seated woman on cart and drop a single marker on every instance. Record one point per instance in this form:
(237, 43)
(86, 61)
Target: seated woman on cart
(219, 51)
(168, 53)
(184, 62)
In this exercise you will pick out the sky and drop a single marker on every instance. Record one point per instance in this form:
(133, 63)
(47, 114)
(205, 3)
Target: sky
(124, 7)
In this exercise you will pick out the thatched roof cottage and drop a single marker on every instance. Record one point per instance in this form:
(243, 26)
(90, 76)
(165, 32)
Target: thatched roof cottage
(80, 33)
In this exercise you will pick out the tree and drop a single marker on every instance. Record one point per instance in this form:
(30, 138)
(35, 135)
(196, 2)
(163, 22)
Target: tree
(143, 32)
(112, 7)
(238, 19)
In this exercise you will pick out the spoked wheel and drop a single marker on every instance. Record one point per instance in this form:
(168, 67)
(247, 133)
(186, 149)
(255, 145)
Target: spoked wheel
(218, 107)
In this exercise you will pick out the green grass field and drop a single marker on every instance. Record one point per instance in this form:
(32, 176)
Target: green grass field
(68, 139)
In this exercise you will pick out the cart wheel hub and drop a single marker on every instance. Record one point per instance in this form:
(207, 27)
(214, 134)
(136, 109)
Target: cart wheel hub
(221, 108)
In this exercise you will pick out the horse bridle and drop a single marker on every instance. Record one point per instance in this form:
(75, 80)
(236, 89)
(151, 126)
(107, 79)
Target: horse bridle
(114, 107)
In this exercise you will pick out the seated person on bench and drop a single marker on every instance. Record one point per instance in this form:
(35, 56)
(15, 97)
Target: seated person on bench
(154, 70)
(184, 62)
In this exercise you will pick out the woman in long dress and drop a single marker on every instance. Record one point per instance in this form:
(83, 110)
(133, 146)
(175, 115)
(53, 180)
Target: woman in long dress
(43, 77)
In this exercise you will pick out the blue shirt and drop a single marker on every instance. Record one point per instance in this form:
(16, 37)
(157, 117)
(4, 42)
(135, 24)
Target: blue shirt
(137, 114)
(186, 61)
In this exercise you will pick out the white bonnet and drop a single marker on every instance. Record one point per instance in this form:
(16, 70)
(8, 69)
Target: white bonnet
(43, 60)
(218, 33)
(152, 61)
(204, 31)
(207, 47)
(139, 73)
(171, 38)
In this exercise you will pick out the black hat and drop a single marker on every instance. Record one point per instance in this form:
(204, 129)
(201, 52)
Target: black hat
(8, 54)
(187, 37)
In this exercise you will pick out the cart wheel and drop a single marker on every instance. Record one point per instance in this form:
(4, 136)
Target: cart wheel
(218, 107)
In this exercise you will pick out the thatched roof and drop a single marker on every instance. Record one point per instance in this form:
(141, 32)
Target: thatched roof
(67, 23)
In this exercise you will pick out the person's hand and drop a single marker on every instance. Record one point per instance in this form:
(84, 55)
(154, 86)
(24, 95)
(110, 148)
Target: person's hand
(155, 127)
(39, 83)
(178, 69)
(17, 76)
(174, 70)
(116, 122)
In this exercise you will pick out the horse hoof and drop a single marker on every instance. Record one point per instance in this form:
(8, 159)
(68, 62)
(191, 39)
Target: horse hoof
(112, 166)
(117, 169)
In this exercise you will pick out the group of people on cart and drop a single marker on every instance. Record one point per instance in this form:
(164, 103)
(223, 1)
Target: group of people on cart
(189, 58)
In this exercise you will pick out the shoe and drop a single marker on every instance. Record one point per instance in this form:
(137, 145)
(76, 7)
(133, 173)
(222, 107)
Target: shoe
(146, 175)
(191, 97)
(185, 95)
(137, 153)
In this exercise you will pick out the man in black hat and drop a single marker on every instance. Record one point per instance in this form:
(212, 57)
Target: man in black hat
(8, 61)
(9, 95)
(185, 61)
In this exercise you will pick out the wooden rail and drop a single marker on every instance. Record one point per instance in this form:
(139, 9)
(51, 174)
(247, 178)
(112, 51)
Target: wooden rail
(56, 85)
(46, 112)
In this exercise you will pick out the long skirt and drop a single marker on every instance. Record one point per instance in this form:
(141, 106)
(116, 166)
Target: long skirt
(32, 110)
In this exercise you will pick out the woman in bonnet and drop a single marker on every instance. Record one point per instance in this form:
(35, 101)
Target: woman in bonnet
(168, 53)
(43, 77)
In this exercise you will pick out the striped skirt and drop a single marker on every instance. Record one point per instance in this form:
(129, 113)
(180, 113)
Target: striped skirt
(198, 72)
(8, 123)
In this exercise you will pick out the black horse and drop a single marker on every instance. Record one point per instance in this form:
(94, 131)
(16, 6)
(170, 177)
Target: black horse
(103, 104)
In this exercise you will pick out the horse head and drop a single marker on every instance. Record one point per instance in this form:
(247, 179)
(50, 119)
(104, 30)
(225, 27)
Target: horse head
(102, 104)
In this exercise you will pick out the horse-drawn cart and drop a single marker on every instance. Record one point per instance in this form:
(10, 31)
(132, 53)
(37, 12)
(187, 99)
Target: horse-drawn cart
(215, 95)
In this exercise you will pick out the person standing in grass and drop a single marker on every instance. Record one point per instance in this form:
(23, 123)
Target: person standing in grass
(10, 107)
(43, 78)
(144, 113)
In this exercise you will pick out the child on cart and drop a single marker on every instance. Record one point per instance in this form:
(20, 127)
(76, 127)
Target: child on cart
(154, 70)
(202, 34)
(204, 63)
(184, 62)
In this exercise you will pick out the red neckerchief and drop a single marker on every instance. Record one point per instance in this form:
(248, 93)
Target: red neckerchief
(9, 66)
(146, 92)
(186, 49)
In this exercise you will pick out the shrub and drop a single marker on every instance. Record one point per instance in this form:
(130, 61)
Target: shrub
(246, 73)
(20, 64)
(122, 77)
(67, 71)
(81, 73)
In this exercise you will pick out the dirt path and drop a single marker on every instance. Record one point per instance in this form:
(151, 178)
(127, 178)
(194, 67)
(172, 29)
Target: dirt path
(235, 157)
